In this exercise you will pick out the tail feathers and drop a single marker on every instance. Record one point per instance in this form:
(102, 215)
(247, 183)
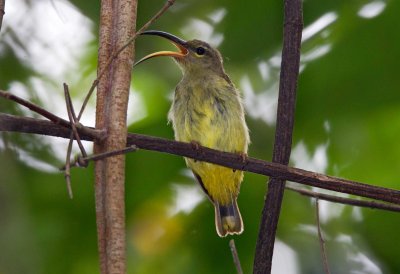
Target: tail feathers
(228, 220)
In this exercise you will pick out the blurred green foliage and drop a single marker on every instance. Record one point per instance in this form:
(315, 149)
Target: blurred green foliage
(348, 106)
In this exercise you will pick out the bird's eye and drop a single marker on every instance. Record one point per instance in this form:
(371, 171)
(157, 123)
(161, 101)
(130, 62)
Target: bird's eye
(200, 51)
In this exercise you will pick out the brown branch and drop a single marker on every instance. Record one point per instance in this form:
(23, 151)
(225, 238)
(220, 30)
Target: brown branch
(130, 41)
(117, 25)
(114, 55)
(293, 25)
(235, 256)
(84, 161)
(35, 108)
(142, 29)
(103, 87)
(321, 239)
(73, 119)
(231, 160)
(67, 169)
(346, 201)
(104, 155)
(2, 11)
(95, 134)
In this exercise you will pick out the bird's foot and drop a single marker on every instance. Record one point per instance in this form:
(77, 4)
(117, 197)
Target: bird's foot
(196, 146)
(243, 156)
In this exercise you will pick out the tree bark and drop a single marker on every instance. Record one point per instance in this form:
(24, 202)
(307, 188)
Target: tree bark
(117, 25)
(293, 25)
(37, 126)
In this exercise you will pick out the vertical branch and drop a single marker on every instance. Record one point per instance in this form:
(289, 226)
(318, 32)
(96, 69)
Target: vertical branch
(104, 86)
(321, 239)
(124, 27)
(235, 257)
(2, 11)
(117, 24)
(293, 25)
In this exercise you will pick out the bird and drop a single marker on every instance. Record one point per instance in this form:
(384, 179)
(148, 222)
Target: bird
(207, 110)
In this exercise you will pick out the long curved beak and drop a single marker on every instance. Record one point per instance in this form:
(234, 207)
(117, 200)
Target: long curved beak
(178, 42)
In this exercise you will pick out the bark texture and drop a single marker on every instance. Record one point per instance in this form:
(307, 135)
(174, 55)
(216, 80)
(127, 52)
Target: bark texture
(117, 25)
(293, 26)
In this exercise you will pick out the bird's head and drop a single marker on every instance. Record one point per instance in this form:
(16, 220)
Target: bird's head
(194, 56)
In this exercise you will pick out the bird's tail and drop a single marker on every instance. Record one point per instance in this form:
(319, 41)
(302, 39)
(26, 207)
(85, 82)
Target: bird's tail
(228, 220)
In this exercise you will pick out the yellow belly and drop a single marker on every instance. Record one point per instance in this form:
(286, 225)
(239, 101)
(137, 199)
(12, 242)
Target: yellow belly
(205, 124)
(221, 183)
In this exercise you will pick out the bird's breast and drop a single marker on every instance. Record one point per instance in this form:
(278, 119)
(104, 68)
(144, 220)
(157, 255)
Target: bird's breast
(208, 116)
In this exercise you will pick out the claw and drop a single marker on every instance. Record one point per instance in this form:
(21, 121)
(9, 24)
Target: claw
(244, 157)
(196, 146)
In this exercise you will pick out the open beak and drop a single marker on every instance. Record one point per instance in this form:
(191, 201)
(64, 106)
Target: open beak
(178, 42)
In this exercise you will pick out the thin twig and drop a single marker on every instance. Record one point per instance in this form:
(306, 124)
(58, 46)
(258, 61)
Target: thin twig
(73, 120)
(104, 155)
(166, 6)
(83, 161)
(2, 11)
(70, 106)
(234, 161)
(35, 108)
(67, 171)
(346, 201)
(96, 134)
(321, 239)
(235, 256)
(115, 54)
(67, 167)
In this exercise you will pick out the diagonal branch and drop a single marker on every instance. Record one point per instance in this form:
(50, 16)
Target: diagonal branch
(73, 119)
(235, 256)
(96, 134)
(35, 108)
(345, 201)
(231, 160)
(115, 54)
(293, 25)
